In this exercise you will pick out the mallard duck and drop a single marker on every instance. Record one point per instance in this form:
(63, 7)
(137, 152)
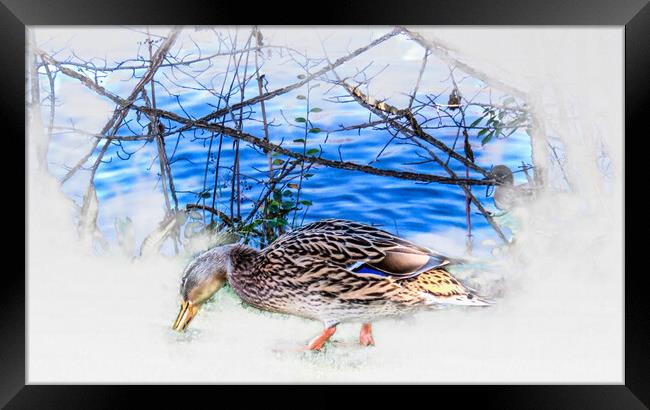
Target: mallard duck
(333, 271)
(507, 195)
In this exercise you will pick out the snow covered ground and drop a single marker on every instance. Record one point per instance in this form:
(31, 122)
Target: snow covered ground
(106, 319)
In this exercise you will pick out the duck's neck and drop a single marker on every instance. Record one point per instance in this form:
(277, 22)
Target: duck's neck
(243, 276)
(243, 259)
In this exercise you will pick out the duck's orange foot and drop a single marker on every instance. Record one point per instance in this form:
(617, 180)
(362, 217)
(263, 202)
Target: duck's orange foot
(365, 337)
(318, 342)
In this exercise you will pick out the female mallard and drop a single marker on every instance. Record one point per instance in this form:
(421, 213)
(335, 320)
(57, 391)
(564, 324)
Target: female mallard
(333, 271)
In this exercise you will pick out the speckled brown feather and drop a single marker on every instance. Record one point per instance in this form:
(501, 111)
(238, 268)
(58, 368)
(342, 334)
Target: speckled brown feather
(309, 272)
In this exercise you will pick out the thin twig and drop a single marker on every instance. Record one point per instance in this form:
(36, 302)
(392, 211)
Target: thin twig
(284, 90)
(445, 53)
(382, 109)
(120, 112)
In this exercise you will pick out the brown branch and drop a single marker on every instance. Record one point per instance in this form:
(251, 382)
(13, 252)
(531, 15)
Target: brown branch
(311, 159)
(120, 112)
(351, 166)
(207, 160)
(82, 78)
(419, 80)
(275, 148)
(382, 109)
(260, 143)
(240, 123)
(52, 98)
(156, 129)
(468, 193)
(260, 90)
(284, 90)
(177, 63)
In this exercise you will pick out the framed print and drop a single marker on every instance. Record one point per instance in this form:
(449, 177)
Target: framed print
(429, 196)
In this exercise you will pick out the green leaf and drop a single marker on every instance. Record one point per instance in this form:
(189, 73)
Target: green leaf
(306, 203)
(301, 76)
(292, 185)
(475, 122)
(314, 130)
(286, 193)
(483, 131)
(205, 194)
(299, 140)
(278, 161)
(301, 97)
(308, 175)
(312, 151)
(487, 138)
(300, 119)
(316, 109)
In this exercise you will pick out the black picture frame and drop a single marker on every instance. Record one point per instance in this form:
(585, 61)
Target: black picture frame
(16, 14)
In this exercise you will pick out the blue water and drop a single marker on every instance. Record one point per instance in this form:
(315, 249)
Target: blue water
(401, 206)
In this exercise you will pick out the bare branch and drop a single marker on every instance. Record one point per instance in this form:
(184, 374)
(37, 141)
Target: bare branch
(284, 90)
(120, 113)
(384, 110)
(445, 54)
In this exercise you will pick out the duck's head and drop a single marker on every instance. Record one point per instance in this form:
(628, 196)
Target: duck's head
(202, 278)
(503, 175)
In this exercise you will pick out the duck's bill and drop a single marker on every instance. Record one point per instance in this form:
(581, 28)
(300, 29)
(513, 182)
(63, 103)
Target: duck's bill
(185, 316)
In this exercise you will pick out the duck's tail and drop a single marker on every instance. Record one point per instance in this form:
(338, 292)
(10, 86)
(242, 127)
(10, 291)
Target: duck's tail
(439, 287)
(467, 299)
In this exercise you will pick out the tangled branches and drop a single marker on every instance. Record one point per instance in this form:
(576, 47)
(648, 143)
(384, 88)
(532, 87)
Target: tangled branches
(232, 76)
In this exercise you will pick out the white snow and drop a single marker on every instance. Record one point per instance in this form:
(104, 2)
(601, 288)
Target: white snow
(559, 318)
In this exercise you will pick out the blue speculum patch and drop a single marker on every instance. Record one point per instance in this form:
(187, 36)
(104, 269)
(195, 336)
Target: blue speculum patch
(366, 269)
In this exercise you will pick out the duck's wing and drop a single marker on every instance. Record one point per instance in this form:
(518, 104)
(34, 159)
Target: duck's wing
(359, 248)
(352, 261)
